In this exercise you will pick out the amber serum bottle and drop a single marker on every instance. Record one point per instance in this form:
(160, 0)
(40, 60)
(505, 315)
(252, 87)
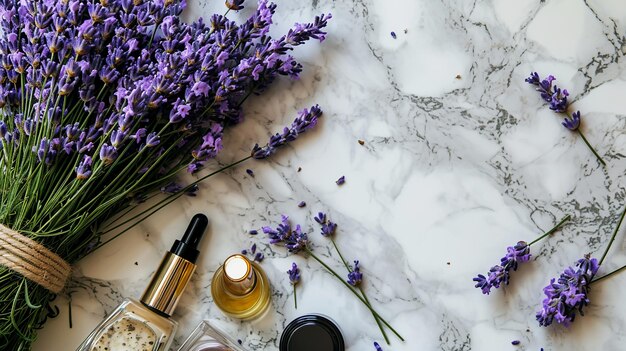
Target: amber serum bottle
(146, 325)
(240, 288)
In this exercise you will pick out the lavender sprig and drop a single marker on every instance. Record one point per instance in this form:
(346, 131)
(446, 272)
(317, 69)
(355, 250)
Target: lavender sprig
(294, 278)
(328, 231)
(519, 253)
(569, 294)
(557, 99)
(296, 241)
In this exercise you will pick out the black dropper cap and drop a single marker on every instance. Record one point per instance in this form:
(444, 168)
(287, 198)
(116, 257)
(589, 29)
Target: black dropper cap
(187, 247)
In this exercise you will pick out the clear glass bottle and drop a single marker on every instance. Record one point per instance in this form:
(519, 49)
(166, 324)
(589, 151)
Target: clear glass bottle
(241, 289)
(146, 325)
(207, 337)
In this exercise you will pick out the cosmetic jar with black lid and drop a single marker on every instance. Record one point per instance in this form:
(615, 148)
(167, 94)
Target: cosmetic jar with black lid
(312, 332)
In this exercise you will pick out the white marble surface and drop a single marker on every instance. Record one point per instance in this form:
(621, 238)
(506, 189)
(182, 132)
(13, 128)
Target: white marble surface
(452, 170)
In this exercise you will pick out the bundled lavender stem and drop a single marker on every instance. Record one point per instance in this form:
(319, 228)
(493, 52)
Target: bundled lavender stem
(103, 103)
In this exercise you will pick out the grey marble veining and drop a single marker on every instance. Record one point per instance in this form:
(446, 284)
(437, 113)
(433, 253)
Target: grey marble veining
(461, 159)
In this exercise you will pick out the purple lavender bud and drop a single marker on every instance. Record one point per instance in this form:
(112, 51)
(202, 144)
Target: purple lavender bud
(328, 229)
(573, 123)
(253, 249)
(341, 180)
(568, 294)
(377, 346)
(355, 276)
(253, 232)
(499, 274)
(515, 342)
(171, 188)
(250, 172)
(320, 218)
(234, 5)
(301, 204)
(108, 154)
(152, 140)
(244, 252)
(294, 274)
(83, 171)
(3, 129)
(259, 257)
(393, 35)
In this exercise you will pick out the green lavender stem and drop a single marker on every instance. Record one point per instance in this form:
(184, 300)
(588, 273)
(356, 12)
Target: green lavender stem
(331, 271)
(295, 297)
(608, 275)
(591, 147)
(606, 251)
(551, 230)
(345, 263)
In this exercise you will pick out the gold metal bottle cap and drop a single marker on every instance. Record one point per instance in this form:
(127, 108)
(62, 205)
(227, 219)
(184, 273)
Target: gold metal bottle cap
(239, 274)
(168, 283)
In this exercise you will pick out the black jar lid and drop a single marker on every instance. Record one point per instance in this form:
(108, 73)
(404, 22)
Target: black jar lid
(312, 332)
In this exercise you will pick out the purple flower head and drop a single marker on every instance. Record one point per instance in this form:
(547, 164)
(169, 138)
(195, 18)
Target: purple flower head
(171, 188)
(294, 274)
(108, 154)
(294, 239)
(303, 32)
(558, 101)
(355, 276)
(301, 204)
(83, 171)
(259, 257)
(573, 123)
(500, 274)
(235, 5)
(341, 180)
(152, 139)
(568, 294)
(306, 120)
(377, 346)
(320, 218)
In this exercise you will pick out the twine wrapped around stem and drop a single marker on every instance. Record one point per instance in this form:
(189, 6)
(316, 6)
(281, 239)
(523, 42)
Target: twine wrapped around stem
(32, 260)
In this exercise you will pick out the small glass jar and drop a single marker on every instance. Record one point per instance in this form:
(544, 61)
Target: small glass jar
(207, 337)
(312, 332)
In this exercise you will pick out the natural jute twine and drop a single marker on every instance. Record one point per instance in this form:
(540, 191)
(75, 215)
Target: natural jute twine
(32, 260)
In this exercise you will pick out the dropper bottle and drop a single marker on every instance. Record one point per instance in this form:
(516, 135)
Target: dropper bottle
(146, 325)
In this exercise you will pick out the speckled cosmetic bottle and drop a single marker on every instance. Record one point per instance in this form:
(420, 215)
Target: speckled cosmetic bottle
(146, 325)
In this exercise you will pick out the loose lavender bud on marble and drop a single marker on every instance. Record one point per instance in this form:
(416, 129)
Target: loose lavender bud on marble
(393, 35)
(355, 277)
(294, 274)
(515, 342)
(301, 204)
(500, 274)
(235, 5)
(253, 249)
(568, 294)
(253, 232)
(377, 346)
(259, 257)
(341, 180)
(250, 172)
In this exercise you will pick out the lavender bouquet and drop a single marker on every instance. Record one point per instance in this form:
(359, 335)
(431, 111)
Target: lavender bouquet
(102, 104)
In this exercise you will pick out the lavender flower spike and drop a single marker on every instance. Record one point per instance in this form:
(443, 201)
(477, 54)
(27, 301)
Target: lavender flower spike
(568, 294)
(355, 277)
(306, 120)
(294, 278)
(294, 274)
(499, 274)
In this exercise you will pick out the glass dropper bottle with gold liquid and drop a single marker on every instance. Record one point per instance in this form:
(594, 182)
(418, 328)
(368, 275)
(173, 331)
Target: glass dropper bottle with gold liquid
(241, 289)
